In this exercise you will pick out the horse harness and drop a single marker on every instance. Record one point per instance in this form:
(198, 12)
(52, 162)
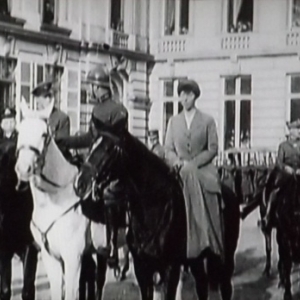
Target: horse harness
(38, 170)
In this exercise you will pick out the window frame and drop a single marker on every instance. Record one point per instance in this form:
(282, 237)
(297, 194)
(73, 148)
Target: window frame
(177, 18)
(290, 95)
(238, 97)
(290, 16)
(56, 12)
(122, 16)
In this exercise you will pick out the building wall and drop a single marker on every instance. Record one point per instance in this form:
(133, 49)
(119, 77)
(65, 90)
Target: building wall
(269, 53)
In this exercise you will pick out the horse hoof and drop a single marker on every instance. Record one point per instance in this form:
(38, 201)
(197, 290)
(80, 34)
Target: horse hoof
(123, 277)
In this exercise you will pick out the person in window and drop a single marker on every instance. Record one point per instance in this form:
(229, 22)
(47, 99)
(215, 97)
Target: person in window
(191, 145)
(288, 166)
(154, 144)
(4, 8)
(48, 12)
(109, 116)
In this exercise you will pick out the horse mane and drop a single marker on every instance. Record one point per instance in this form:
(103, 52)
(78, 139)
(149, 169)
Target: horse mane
(134, 145)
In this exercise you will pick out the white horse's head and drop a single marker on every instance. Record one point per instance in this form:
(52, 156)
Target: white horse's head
(33, 138)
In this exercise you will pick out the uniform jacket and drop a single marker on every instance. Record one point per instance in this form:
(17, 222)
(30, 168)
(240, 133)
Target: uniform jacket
(59, 123)
(289, 154)
(198, 145)
(108, 115)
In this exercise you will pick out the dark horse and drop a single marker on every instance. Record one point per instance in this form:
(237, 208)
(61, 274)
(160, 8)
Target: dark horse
(157, 222)
(250, 186)
(15, 235)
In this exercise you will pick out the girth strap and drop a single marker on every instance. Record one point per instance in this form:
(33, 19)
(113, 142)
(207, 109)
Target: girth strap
(44, 234)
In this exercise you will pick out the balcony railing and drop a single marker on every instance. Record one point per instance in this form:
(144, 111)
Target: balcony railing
(171, 44)
(293, 38)
(119, 39)
(235, 41)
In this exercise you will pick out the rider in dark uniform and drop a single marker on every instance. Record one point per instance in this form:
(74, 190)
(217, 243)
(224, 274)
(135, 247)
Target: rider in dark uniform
(19, 230)
(154, 144)
(107, 116)
(288, 164)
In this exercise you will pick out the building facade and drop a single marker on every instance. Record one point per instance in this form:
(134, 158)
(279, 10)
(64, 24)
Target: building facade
(245, 54)
(62, 40)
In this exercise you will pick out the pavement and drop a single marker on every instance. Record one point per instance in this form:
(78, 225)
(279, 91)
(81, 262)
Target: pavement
(248, 280)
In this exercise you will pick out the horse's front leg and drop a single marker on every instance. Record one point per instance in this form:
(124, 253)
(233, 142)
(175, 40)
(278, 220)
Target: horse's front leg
(54, 270)
(72, 263)
(268, 245)
(29, 259)
(5, 276)
(171, 280)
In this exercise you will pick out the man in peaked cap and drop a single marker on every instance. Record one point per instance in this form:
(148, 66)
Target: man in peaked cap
(154, 144)
(288, 163)
(59, 121)
(110, 116)
(8, 124)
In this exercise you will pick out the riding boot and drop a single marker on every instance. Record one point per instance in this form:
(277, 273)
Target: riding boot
(269, 218)
(5, 277)
(30, 261)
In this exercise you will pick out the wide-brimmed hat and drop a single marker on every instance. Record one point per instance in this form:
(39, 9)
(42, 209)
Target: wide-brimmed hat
(294, 124)
(189, 85)
(44, 89)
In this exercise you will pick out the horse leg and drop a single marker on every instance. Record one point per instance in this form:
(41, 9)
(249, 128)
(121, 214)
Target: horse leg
(72, 268)
(54, 272)
(226, 279)
(5, 276)
(126, 263)
(171, 281)
(184, 273)
(87, 278)
(144, 275)
(101, 275)
(201, 280)
(268, 245)
(30, 260)
(287, 268)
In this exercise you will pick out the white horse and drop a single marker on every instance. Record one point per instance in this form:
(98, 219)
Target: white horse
(58, 225)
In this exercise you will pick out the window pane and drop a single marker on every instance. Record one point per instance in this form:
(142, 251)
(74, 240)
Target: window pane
(184, 16)
(116, 21)
(245, 123)
(169, 17)
(25, 72)
(72, 79)
(169, 88)
(49, 9)
(245, 85)
(240, 15)
(295, 84)
(229, 124)
(296, 13)
(40, 74)
(295, 110)
(72, 99)
(230, 86)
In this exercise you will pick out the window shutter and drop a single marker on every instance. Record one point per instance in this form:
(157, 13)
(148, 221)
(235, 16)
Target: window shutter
(70, 91)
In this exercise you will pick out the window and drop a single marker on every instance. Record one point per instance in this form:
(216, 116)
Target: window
(295, 13)
(171, 103)
(85, 107)
(237, 112)
(117, 15)
(294, 109)
(176, 17)
(240, 16)
(4, 8)
(49, 12)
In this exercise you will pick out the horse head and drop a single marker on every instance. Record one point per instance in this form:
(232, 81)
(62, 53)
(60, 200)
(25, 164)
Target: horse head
(99, 166)
(33, 139)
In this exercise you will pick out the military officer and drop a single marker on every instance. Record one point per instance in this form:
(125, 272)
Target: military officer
(110, 116)
(154, 144)
(288, 163)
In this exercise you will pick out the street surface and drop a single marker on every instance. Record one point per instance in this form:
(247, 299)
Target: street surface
(248, 282)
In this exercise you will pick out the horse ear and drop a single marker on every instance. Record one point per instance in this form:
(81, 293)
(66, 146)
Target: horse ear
(26, 112)
(46, 112)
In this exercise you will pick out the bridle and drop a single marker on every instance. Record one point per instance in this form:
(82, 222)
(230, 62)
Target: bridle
(39, 164)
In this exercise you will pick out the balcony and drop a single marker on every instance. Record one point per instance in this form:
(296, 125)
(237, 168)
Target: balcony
(119, 39)
(293, 38)
(235, 41)
(172, 44)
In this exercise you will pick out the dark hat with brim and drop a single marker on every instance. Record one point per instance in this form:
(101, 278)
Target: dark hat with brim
(45, 89)
(189, 85)
(8, 113)
(153, 133)
(293, 125)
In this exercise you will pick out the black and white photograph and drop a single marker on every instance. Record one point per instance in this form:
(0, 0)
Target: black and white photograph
(149, 149)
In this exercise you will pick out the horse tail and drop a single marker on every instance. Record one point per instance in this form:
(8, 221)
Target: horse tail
(214, 274)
